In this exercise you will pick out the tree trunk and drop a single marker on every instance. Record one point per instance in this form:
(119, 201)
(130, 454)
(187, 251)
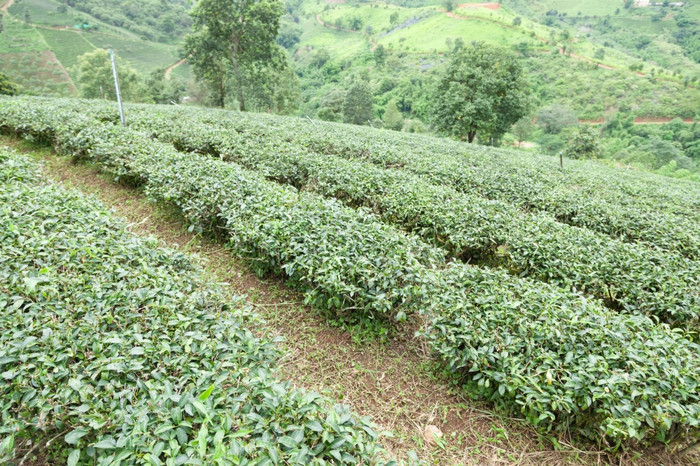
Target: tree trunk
(222, 92)
(470, 136)
(237, 72)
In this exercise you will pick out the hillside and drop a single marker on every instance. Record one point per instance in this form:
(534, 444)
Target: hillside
(581, 62)
(601, 84)
(549, 296)
(348, 32)
(42, 39)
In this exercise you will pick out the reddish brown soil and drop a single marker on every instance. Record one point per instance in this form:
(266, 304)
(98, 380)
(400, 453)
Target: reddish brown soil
(490, 6)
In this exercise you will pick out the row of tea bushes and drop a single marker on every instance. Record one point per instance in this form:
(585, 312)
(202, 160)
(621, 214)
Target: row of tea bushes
(627, 276)
(660, 212)
(120, 351)
(563, 361)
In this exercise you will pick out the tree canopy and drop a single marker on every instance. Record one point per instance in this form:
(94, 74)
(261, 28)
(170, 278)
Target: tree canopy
(95, 79)
(357, 108)
(583, 143)
(555, 118)
(483, 90)
(232, 41)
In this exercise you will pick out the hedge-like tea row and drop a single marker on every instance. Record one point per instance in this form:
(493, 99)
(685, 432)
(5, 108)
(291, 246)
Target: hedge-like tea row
(565, 362)
(343, 259)
(626, 276)
(630, 206)
(121, 351)
(572, 197)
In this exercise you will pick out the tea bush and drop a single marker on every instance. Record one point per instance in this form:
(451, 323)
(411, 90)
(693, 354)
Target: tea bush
(120, 352)
(627, 276)
(564, 361)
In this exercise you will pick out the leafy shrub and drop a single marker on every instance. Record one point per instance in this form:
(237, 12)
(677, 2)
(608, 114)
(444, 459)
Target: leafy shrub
(564, 361)
(120, 351)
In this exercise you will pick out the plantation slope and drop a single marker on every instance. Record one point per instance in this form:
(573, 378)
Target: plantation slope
(98, 321)
(49, 29)
(370, 376)
(470, 228)
(625, 205)
(563, 362)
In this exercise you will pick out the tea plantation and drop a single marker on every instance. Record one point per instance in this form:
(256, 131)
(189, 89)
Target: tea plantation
(119, 352)
(569, 297)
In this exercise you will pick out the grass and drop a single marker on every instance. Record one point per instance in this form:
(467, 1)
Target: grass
(67, 45)
(18, 37)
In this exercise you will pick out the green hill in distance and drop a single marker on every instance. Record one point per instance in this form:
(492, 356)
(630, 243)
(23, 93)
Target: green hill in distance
(600, 60)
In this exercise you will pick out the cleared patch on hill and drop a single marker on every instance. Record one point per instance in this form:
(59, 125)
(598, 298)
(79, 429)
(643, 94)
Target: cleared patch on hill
(38, 72)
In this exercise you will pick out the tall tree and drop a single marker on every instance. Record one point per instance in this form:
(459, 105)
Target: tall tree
(523, 128)
(358, 104)
(483, 90)
(583, 143)
(95, 79)
(380, 55)
(393, 119)
(230, 37)
(555, 118)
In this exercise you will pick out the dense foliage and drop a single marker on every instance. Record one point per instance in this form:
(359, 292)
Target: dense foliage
(7, 86)
(467, 226)
(150, 19)
(95, 78)
(672, 147)
(116, 350)
(233, 44)
(482, 91)
(566, 362)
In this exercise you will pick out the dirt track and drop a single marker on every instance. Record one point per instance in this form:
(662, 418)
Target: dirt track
(7, 5)
(172, 67)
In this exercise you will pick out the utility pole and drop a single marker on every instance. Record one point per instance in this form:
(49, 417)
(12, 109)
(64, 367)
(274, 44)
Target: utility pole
(116, 87)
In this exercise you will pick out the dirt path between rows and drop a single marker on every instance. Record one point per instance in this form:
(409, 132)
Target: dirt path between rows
(394, 383)
(172, 67)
